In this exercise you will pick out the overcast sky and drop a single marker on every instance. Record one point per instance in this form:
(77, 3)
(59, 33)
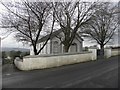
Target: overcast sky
(10, 41)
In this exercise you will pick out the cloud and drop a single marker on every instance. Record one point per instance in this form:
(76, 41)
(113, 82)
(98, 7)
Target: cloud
(10, 41)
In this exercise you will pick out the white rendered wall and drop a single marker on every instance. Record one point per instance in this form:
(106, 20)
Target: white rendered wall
(111, 52)
(107, 52)
(41, 62)
(115, 52)
(94, 53)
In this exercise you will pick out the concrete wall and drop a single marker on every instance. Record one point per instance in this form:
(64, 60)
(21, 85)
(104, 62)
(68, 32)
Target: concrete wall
(94, 53)
(107, 52)
(48, 61)
(115, 52)
(111, 52)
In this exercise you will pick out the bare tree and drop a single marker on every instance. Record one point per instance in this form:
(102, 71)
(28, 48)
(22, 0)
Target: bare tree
(28, 20)
(71, 16)
(119, 23)
(103, 24)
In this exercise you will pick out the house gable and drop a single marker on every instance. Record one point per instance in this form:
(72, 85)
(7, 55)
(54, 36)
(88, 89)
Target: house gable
(54, 45)
(58, 32)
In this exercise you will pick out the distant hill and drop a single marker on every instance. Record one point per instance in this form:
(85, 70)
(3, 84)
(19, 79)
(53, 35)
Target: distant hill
(15, 49)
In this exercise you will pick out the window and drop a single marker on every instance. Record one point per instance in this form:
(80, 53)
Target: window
(73, 47)
(55, 47)
(40, 45)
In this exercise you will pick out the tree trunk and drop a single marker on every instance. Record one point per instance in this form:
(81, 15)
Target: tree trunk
(101, 46)
(66, 48)
(102, 50)
(35, 50)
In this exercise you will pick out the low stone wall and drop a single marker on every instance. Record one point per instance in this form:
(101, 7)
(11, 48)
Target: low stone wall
(111, 52)
(48, 61)
(107, 52)
(94, 53)
(115, 52)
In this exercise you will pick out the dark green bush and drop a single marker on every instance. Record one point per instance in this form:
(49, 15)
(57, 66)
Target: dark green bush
(9, 56)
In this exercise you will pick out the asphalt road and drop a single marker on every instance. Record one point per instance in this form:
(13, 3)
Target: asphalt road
(0, 73)
(93, 74)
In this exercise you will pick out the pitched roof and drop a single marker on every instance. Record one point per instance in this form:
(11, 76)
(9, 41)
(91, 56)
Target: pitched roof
(53, 35)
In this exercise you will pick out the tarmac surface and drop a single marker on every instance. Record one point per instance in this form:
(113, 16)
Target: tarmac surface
(101, 73)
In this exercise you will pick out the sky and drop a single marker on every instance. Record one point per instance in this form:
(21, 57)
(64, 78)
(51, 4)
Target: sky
(10, 41)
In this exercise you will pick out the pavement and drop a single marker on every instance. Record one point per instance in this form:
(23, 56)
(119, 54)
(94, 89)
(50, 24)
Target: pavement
(93, 74)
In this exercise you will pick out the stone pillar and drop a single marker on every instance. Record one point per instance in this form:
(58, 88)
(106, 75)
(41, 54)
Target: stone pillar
(94, 53)
(107, 52)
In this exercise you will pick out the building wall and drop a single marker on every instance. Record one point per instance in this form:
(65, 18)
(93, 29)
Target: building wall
(46, 49)
(61, 47)
(55, 48)
(31, 50)
(51, 48)
(79, 45)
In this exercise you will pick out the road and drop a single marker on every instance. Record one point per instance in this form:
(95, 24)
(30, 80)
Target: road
(93, 74)
(0, 73)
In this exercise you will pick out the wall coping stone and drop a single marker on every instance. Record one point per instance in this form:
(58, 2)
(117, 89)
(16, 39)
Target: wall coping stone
(52, 55)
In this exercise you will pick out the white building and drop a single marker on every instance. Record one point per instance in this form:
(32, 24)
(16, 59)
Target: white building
(54, 45)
